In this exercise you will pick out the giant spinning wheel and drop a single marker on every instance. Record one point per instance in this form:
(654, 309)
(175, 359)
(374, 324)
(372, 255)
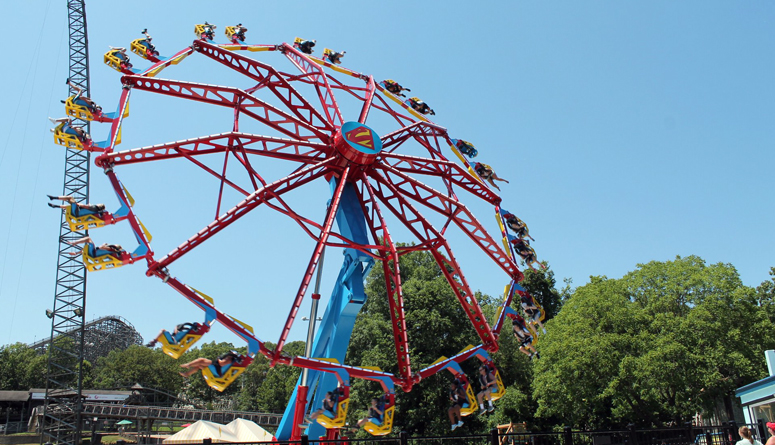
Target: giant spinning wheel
(370, 180)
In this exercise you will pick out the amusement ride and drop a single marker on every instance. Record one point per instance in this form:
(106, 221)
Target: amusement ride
(370, 180)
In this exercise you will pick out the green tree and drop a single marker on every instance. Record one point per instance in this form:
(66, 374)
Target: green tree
(21, 368)
(137, 364)
(660, 344)
(765, 295)
(543, 287)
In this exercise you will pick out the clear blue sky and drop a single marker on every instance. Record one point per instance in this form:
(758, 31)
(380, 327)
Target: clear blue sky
(630, 131)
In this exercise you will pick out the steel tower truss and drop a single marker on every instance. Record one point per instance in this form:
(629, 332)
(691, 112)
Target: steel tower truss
(63, 406)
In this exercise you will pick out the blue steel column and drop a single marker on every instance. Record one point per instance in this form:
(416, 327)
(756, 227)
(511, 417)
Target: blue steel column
(347, 298)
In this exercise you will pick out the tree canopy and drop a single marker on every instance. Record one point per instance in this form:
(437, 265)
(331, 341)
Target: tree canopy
(664, 342)
(657, 346)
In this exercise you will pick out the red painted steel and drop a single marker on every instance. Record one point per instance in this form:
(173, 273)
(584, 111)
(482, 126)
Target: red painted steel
(306, 152)
(391, 269)
(453, 209)
(255, 199)
(413, 220)
(369, 99)
(257, 109)
(308, 139)
(270, 78)
(316, 73)
(449, 170)
(313, 262)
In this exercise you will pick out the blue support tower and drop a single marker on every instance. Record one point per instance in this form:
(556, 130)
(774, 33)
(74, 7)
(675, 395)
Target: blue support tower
(333, 337)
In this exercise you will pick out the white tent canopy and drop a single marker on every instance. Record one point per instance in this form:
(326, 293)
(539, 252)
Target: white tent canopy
(239, 430)
(248, 431)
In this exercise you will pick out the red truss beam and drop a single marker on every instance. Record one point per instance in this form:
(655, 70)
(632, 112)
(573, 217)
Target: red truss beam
(305, 152)
(313, 262)
(371, 88)
(444, 169)
(275, 189)
(453, 209)
(318, 75)
(230, 97)
(335, 83)
(385, 107)
(413, 220)
(323, 365)
(304, 223)
(402, 119)
(390, 266)
(270, 78)
(421, 132)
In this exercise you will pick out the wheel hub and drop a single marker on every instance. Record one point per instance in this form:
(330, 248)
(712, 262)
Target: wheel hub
(357, 143)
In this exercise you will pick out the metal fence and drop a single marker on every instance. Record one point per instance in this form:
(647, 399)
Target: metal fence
(725, 434)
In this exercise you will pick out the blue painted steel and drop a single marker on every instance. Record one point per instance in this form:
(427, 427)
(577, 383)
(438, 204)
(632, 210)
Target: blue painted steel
(347, 298)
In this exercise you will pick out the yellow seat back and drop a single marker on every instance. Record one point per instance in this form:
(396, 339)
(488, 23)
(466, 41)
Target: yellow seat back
(385, 427)
(341, 415)
(471, 408)
(138, 48)
(221, 383)
(112, 60)
(81, 223)
(94, 264)
(175, 350)
(501, 387)
(66, 140)
(230, 31)
(200, 29)
(77, 111)
(298, 40)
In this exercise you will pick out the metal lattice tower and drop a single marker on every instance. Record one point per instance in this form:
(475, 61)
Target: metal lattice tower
(64, 379)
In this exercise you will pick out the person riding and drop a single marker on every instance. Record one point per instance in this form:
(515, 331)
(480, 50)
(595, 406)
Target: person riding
(88, 209)
(120, 53)
(523, 336)
(201, 363)
(517, 226)
(68, 128)
(489, 384)
(526, 252)
(395, 88)
(376, 411)
(488, 174)
(530, 308)
(239, 33)
(150, 49)
(335, 57)
(420, 106)
(114, 250)
(306, 46)
(208, 31)
(183, 327)
(80, 99)
(329, 404)
(458, 397)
